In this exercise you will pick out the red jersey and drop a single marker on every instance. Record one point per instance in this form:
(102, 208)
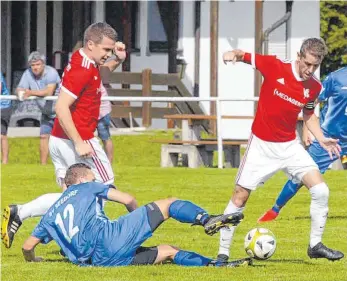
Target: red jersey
(282, 96)
(81, 80)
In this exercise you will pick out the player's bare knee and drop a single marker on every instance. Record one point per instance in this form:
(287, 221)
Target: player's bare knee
(312, 178)
(240, 196)
(44, 137)
(168, 251)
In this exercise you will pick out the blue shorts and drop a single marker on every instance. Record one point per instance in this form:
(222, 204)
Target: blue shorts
(118, 243)
(321, 156)
(46, 125)
(104, 127)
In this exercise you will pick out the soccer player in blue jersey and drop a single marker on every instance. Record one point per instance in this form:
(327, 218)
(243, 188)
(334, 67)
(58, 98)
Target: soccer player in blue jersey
(79, 226)
(334, 124)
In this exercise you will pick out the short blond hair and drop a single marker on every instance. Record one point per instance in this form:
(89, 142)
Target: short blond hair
(96, 31)
(314, 46)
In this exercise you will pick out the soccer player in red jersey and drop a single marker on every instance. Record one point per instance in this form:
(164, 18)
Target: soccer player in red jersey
(78, 106)
(288, 88)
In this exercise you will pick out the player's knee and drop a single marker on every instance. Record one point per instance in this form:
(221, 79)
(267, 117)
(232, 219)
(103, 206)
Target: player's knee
(240, 196)
(167, 251)
(171, 200)
(44, 137)
(321, 191)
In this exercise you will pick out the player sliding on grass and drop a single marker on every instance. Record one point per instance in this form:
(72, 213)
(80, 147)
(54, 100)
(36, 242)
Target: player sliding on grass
(77, 108)
(334, 125)
(288, 88)
(78, 225)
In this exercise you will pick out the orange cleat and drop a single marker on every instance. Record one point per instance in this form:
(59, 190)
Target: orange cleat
(270, 215)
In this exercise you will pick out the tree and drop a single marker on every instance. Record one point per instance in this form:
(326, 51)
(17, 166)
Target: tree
(334, 32)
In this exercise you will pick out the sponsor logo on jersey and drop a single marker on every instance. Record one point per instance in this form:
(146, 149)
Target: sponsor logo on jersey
(287, 98)
(306, 93)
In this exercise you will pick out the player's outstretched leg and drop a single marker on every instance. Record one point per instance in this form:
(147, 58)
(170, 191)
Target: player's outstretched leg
(188, 212)
(10, 225)
(319, 213)
(186, 258)
(288, 191)
(14, 215)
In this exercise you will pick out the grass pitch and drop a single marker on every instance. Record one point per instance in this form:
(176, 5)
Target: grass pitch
(137, 171)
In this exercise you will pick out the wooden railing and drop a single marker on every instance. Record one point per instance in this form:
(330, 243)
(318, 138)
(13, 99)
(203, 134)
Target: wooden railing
(147, 79)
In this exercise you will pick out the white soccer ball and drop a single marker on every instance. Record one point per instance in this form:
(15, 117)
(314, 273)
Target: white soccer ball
(260, 243)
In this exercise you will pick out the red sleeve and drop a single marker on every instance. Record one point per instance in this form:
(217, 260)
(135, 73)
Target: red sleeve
(265, 64)
(75, 79)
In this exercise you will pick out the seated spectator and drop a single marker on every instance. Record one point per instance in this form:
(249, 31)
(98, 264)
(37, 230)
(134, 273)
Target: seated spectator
(5, 106)
(40, 80)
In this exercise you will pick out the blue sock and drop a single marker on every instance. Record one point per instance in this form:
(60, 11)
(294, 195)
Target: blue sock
(190, 259)
(185, 211)
(288, 191)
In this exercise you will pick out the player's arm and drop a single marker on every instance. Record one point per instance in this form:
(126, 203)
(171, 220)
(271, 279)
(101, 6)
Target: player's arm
(312, 122)
(122, 197)
(120, 56)
(28, 249)
(63, 112)
(265, 64)
(68, 95)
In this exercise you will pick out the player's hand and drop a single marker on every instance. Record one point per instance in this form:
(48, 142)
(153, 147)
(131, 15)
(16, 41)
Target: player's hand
(307, 139)
(229, 57)
(119, 51)
(332, 146)
(84, 150)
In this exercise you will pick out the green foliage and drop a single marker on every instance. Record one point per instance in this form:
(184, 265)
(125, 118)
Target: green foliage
(334, 32)
(137, 170)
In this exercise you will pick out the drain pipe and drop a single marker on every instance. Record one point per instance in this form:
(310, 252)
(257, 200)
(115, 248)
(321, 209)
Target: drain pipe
(276, 25)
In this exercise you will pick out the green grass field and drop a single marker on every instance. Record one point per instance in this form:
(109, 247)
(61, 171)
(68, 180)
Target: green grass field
(137, 171)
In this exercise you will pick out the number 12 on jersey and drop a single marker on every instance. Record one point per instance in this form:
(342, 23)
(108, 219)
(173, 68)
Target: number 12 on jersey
(69, 211)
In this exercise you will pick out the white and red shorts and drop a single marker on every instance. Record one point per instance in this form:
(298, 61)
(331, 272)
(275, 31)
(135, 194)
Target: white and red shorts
(263, 159)
(64, 155)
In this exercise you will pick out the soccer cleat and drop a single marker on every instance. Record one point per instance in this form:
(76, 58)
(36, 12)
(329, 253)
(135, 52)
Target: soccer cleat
(235, 263)
(215, 223)
(10, 225)
(321, 251)
(222, 258)
(240, 262)
(270, 215)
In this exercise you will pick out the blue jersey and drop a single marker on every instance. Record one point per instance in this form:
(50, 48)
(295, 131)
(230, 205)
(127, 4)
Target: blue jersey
(335, 94)
(75, 221)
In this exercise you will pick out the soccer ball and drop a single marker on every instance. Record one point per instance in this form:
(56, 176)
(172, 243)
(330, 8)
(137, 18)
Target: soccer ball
(260, 243)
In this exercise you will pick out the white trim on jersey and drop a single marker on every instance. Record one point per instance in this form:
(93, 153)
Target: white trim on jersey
(86, 57)
(253, 60)
(85, 63)
(69, 92)
(296, 75)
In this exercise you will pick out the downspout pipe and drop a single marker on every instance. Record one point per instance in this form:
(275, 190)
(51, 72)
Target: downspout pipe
(276, 25)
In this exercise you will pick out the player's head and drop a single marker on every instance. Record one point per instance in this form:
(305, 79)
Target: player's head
(79, 173)
(99, 41)
(311, 55)
(37, 63)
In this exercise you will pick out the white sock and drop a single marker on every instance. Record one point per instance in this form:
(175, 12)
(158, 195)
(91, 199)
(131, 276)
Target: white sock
(226, 234)
(38, 207)
(319, 212)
